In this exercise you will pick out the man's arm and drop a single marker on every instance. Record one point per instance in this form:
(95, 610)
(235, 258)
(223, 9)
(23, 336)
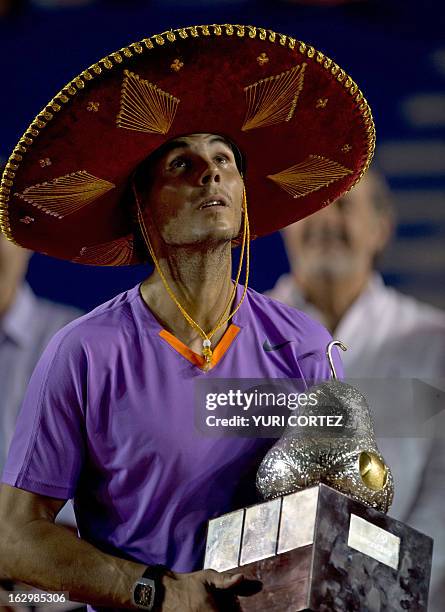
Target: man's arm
(38, 552)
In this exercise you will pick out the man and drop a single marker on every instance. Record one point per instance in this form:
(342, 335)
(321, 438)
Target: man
(109, 413)
(389, 335)
(192, 234)
(332, 257)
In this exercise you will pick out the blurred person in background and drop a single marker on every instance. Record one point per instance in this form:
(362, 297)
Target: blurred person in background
(332, 257)
(333, 278)
(26, 325)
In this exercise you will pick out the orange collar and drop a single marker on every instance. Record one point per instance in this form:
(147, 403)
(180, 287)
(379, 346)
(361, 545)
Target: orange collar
(198, 360)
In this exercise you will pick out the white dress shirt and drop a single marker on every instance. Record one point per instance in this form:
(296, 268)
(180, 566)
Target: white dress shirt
(388, 334)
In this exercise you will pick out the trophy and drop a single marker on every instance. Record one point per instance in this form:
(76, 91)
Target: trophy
(321, 540)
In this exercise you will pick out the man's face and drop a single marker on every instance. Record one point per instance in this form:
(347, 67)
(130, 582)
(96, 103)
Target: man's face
(195, 192)
(13, 265)
(342, 239)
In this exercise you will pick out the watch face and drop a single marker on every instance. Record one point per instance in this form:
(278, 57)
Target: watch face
(144, 595)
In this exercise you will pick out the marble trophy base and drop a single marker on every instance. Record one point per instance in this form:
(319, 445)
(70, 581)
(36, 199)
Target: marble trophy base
(319, 550)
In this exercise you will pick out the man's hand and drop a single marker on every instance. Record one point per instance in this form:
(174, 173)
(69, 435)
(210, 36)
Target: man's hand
(28, 532)
(197, 591)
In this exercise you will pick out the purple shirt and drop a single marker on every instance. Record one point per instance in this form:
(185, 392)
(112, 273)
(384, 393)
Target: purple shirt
(109, 419)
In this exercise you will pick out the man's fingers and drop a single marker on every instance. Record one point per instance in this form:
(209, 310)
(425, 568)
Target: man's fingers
(223, 581)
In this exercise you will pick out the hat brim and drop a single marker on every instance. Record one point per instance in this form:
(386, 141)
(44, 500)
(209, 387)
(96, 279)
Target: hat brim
(301, 122)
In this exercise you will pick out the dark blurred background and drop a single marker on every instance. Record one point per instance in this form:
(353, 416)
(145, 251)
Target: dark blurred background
(395, 50)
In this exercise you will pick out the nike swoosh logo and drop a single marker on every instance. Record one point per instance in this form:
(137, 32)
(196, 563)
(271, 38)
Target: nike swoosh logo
(276, 347)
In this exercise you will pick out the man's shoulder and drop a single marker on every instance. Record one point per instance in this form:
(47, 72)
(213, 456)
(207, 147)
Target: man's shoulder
(97, 326)
(412, 314)
(288, 320)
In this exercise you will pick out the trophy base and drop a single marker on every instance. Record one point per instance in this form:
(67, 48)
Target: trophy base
(285, 579)
(359, 560)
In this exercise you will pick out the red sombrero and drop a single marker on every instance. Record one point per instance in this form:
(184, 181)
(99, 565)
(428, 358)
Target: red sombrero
(301, 122)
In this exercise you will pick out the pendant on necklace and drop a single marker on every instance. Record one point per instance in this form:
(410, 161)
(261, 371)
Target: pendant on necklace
(207, 353)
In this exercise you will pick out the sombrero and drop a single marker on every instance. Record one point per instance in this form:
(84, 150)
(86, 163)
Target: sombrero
(302, 123)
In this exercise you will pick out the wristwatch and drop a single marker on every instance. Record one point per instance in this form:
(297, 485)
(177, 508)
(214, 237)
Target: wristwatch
(148, 590)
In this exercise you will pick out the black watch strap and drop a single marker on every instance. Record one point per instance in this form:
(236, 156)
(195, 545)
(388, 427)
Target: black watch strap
(155, 573)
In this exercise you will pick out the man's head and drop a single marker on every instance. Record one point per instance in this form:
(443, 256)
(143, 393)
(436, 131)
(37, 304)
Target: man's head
(191, 190)
(13, 266)
(345, 238)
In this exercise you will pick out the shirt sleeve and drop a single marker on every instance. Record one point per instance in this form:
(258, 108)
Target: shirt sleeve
(48, 447)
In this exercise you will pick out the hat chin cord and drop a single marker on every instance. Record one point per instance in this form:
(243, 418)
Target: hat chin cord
(207, 351)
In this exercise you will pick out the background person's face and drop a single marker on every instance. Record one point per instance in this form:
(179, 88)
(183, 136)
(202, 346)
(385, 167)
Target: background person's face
(342, 239)
(195, 193)
(13, 266)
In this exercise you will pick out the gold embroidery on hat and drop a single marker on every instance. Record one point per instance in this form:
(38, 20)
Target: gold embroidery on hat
(45, 162)
(309, 175)
(321, 103)
(273, 100)
(177, 65)
(93, 106)
(27, 220)
(115, 253)
(262, 59)
(346, 148)
(145, 107)
(67, 194)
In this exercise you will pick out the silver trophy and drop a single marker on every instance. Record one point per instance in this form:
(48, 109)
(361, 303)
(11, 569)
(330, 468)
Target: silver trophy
(322, 541)
(347, 460)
